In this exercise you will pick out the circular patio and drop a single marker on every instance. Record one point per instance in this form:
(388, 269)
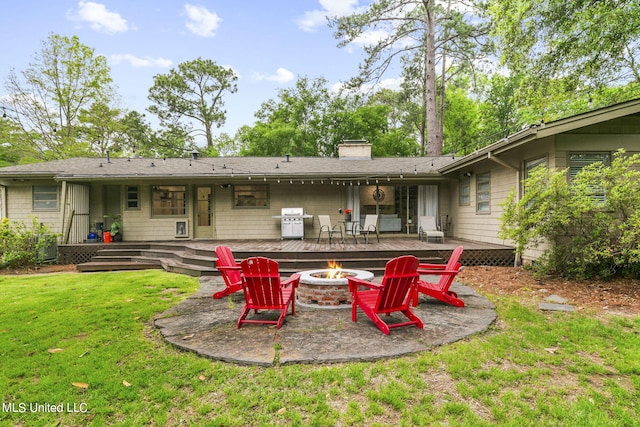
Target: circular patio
(208, 328)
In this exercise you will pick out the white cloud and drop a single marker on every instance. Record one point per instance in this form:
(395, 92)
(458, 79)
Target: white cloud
(136, 62)
(282, 75)
(368, 38)
(389, 83)
(98, 17)
(337, 88)
(330, 8)
(200, 21)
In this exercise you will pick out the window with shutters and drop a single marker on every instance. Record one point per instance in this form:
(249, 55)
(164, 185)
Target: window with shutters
(577, 161)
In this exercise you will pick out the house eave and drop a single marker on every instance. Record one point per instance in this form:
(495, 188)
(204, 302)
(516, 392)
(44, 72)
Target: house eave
(508, 143)
(543, 130)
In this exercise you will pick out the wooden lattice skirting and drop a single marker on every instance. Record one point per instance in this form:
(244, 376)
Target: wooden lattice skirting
(487, 257)
(77, 254)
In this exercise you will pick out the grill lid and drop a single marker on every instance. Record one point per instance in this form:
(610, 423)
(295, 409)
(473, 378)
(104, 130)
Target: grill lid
(292, 212)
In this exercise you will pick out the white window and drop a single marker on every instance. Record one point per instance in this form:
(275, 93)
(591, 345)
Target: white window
(45, 197)
(483, 193)
(530, 165)
(577, 161)
(169, 200)
(133, 197)
(250, 196)
(464, 191)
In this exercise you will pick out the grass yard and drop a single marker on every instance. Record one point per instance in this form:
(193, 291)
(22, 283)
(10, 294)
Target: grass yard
(85, 345)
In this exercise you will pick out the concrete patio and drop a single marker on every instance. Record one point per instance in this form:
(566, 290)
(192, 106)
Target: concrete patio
(208, 328)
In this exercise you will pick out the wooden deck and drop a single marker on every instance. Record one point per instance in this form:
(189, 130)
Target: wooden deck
(197, 257)
(407, 244)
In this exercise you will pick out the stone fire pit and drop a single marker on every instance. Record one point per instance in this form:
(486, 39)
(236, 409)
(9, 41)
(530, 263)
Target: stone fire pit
(316, 290)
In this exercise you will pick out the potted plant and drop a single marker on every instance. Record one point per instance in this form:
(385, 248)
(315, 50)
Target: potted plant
(347, 215)
(116, 226)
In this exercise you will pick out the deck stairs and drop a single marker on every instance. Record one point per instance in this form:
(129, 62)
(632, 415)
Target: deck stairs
(198, 262)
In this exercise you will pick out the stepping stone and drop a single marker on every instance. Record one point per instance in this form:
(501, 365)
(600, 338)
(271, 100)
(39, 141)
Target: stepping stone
(555, 307)
(556, 299)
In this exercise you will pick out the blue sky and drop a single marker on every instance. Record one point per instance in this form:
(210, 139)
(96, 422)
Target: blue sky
(268, 43)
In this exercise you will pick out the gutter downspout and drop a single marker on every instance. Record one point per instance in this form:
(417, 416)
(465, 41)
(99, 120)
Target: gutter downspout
(3, 201)
(63, 211)
(493, 158)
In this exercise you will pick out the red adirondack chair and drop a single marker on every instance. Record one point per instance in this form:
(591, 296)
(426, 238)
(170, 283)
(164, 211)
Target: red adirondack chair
(393, 294)
(263, 290)
(229, 270)
(447, 273)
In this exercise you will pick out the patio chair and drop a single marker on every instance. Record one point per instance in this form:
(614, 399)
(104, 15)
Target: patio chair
(229, 270)
(263, 290)
(370, 226)
(393, 294)
(326, 227)
(447, 273)
(427, 228)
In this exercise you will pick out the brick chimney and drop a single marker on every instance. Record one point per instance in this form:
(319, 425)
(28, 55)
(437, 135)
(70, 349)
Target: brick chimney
(354, 149)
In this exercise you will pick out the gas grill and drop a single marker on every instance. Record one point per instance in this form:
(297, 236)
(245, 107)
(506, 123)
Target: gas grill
(292, 223)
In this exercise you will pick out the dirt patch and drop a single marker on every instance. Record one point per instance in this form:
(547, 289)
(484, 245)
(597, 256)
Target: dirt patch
(616, 296)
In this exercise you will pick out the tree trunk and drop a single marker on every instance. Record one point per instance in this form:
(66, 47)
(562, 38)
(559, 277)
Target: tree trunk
(209, 136)
(434, 135)
(422, 126)
(443, 97)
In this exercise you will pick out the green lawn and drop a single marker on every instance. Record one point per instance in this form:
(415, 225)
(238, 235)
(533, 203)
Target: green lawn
(85, 343)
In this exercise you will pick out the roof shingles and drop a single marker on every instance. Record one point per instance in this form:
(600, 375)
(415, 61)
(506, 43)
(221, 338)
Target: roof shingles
(225, 167)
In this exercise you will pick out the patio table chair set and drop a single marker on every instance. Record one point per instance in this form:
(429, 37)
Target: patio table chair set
(401, 284)
(369, 227)
(427, 229)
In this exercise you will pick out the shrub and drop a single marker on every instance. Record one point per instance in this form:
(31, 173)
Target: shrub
(590, 225)
(21, 246)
